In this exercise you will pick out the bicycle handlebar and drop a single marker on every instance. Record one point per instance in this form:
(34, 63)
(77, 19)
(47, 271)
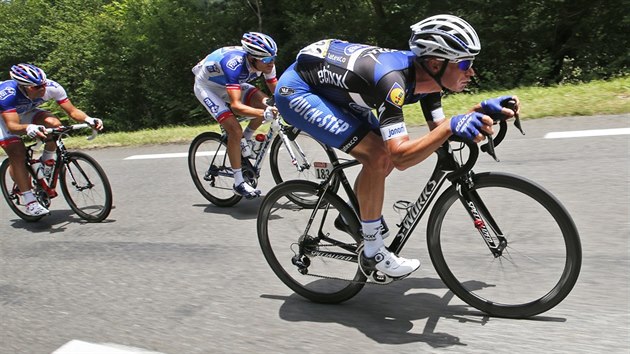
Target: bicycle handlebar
(66, 129)
(492, 143)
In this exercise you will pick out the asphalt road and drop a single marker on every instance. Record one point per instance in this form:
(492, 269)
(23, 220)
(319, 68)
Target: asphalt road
(170, 273)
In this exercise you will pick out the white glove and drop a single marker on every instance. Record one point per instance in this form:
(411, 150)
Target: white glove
(268, 115)
(95, 122)
(33, 129)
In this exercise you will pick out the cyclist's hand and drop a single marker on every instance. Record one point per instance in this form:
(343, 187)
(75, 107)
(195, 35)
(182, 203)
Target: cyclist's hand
(495, 106)
(36, 131)
(95, 122)
(269, 114)
(471, 126)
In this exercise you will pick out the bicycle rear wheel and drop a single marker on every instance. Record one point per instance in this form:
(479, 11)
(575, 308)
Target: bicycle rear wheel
(210, 169)
(85, 187)
(319, 263)
(10, 193)
(537, 269)
(308, 152)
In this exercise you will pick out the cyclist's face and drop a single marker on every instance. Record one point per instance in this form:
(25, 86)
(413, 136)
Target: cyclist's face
(34, 92)
(456, 79)
(264, 67)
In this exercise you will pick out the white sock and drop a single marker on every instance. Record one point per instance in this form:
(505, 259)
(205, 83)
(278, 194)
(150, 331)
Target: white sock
(238, 176)
(49, 155)
(372, 239)
(28, 197)
(248, 133)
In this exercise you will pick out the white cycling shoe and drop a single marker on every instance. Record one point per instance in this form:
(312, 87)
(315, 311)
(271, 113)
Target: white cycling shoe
(246, 190)
(389, 264)
(35, 209)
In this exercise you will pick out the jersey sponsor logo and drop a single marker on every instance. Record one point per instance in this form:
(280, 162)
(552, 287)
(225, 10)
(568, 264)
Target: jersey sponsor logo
(234, 63)
(353, 48)
(316, 117)
(214, 68)
(332, 78)
(350, 144)
(337, 58)
(286, 91)
(396, 95)
(211, 105)
(8, 91)
(393, 130)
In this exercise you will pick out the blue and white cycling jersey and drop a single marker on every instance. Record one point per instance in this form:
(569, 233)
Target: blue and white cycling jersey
(226, 68)
(12, 99)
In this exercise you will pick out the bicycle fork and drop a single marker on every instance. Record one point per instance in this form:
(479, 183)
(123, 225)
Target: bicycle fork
(482, 219)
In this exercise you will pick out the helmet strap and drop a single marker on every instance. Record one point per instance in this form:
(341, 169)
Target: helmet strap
(437, 76)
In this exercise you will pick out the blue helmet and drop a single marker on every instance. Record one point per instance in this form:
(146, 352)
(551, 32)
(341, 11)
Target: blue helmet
(259, 45)
(28, 75)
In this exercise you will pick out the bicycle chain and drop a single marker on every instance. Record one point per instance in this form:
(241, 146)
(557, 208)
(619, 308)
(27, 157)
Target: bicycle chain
(346, 280)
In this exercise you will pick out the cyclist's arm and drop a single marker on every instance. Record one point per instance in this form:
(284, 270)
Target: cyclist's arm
(241, 109)
(406, 152)
(75, 113)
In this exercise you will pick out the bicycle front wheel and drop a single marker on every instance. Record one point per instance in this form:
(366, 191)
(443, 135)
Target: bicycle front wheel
(210, 169)
(303, 247)
(10, 192)
(307, 152)
(542, 259)
(86, 188)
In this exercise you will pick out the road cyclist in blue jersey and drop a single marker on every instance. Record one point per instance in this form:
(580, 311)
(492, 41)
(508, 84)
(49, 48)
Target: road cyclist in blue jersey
(222, 85)
(20, 99)
(334, 87)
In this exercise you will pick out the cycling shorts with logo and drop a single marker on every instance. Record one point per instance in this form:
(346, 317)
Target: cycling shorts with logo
(319, 116)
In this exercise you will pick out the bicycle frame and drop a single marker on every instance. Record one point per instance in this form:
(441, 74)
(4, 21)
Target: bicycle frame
(286, 132)
(447, 168)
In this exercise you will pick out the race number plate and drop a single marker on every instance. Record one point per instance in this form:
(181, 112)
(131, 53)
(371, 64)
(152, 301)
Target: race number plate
(322, 169)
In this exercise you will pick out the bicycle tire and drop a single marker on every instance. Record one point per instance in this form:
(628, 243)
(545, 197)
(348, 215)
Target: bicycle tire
(8, 192)
(85, 187)
(538, 268)
(283, 169)
(206, 175)
(281, 222)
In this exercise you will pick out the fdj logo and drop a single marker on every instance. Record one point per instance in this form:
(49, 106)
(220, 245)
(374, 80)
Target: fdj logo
(213, 107)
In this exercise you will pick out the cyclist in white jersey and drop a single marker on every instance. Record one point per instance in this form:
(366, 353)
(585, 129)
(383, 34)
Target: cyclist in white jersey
(19, 102)
(222, 86)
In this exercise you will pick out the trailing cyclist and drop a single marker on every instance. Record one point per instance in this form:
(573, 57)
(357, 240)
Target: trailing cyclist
(333, 87)
(222, 86)
(20, 98)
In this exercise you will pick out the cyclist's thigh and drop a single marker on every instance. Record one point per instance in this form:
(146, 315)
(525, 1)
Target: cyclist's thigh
(317, 115)
(45, 118)
(6, 137)
(212, 99)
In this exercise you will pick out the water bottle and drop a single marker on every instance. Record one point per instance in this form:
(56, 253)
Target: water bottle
(49, 166)
(38, 168)
(246, 150)
(259, 141)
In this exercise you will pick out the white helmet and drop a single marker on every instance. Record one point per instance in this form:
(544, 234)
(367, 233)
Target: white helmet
(444, 36)
(259, 45)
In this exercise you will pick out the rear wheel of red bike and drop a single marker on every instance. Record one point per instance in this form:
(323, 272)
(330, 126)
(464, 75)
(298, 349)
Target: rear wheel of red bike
(10, 194)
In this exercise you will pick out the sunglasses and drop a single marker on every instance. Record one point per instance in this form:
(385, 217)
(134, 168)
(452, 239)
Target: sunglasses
(267, 60)
(39, 87)
(463, 64)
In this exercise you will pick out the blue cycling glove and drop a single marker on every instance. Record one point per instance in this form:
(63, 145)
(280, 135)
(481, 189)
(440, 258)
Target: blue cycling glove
(467, 125)
(493, 105)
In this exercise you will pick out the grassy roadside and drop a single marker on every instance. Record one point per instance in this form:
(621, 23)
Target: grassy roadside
(593, 98)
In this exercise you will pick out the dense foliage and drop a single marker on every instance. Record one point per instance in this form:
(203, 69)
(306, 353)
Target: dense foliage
(129, 61)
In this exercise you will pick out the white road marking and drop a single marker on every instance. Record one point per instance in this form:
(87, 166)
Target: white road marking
(168, 156)
(79, 347)
(585, 133)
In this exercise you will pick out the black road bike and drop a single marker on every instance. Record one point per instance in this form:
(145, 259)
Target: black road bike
(213, 176)
(83, 181)
(501, 243)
